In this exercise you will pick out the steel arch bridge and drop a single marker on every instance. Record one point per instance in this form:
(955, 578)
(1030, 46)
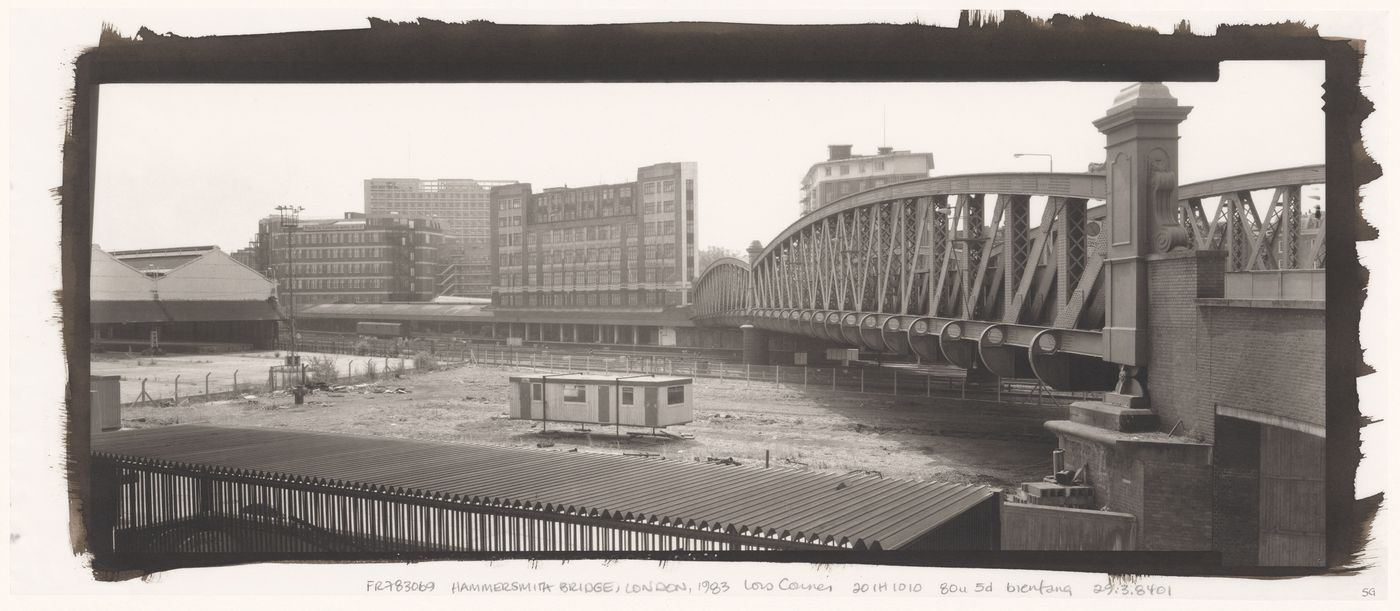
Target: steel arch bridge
(916, 268)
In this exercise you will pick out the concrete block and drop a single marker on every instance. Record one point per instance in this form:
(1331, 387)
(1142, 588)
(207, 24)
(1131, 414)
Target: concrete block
(1113, 417)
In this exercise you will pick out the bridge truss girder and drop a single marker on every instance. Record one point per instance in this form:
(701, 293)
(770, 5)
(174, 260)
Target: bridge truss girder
(916, 268)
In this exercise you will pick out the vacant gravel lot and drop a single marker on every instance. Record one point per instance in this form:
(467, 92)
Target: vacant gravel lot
(917, 438)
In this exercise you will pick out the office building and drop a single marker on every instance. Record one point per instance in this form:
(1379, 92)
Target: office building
(845, 174)
(616, 246)
(360, 258)
(461, 208)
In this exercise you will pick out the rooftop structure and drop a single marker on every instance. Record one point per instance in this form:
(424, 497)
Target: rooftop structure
(844, 174)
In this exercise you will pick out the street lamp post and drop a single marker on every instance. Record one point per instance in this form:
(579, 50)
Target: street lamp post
(1046, 155)
(287, 218)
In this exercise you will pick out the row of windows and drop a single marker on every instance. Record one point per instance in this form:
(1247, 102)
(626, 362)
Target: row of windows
(665, 186)
(472, 207)
(864, 167)
(833, 191)
(661, 206)
(336, 237)
(356, 237)
(659, 228)
(581, 234)
(604, 194)
(346, 253)
(578, 393)
(440, 195)
(341, 268)
(567, 212)
(663, 253)
(313, 284)
(611, 298)
(577, 278)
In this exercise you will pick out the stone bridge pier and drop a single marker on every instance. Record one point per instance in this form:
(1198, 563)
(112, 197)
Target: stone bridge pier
(1212, 437)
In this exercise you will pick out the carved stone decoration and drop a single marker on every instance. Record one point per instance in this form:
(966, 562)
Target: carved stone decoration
(1161, 193)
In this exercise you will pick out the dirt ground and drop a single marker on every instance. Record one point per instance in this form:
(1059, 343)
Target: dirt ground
(928, 439)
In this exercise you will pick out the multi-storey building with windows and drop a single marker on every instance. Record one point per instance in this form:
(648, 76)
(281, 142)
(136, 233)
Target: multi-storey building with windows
(462, 208)
(611, 246)
(614, 253)
(360, 258)
(845, 174)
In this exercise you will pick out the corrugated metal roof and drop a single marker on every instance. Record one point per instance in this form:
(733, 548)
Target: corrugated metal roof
(587, 377)
(108, 312)
(854, 511)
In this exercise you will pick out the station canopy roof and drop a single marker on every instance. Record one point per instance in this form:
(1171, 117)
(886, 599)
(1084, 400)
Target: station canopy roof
(847, 511)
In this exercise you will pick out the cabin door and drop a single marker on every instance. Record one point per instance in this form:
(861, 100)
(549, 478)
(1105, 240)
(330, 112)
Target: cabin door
(1292, 506)
(604, 405)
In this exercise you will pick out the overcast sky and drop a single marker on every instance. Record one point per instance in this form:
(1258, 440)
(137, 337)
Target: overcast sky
(199, 164)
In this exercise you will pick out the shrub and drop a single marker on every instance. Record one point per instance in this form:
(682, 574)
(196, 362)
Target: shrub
(322, 368)
(371, 370)
(425, 362)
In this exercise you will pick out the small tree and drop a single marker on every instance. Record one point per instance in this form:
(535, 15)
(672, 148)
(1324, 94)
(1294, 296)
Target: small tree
(425, 362)
(709, 255)
(322, 368)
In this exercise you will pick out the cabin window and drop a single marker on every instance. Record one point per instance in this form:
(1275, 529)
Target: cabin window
(574, 393)
(536, 392)
(626, 395)
(675, 394)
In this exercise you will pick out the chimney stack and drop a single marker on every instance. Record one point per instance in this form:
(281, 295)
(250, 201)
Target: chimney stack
(837, 152)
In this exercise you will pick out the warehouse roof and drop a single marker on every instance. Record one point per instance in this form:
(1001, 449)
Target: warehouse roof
(851, 511)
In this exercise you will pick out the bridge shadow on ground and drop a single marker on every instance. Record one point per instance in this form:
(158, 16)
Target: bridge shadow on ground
(923, 437)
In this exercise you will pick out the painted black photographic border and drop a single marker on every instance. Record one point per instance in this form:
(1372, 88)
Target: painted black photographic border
(1064, 48)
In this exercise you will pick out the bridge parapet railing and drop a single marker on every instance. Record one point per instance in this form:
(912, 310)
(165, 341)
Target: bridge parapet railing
(1277, 285)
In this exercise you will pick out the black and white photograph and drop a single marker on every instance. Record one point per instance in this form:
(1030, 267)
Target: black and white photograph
(987, 305)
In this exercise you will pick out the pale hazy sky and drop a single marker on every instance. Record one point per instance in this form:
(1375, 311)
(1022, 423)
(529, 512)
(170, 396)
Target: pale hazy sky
(199, 164)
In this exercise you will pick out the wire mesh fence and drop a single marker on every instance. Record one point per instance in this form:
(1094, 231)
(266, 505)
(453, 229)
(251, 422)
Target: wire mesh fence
(901, 379)
(179, 389)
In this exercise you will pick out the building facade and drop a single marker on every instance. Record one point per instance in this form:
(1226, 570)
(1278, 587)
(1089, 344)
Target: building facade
(462, 209)
(356, 259)
(845, 174)
(611, 247)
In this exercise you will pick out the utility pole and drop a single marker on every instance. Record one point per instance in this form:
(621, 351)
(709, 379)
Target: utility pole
(287, 218)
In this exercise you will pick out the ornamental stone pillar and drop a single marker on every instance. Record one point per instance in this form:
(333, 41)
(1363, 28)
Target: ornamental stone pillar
(1142, 132)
